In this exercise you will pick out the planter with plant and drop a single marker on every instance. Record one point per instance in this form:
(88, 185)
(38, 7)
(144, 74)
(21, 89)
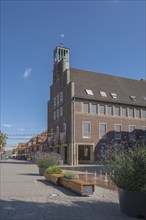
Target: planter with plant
(45, 160)
(71, 181)
(128, 173)
(53, 174)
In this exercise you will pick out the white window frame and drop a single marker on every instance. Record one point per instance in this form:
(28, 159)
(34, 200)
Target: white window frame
(111, 109)
(92, 108)
(54, 115)
(61, 111)
(144, 113)
(114, 95)
(133, 98)
(61, 97)
(58, 100)
(86, 136)
(138, 109)
(57, 114)
(54, 102)
(116, 106)
(105, 135)
(104, 109)
(123, 107)
(103, 94)
(86, 103)
(130, 132)
(118, 133)
(89, 92)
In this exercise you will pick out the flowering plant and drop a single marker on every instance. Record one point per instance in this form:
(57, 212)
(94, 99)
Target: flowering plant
(127, 166)
(45, 160)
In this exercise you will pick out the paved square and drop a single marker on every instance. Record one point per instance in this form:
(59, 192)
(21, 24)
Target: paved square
(26, 195)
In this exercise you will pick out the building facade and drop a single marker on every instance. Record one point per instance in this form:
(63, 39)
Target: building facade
(87, 110)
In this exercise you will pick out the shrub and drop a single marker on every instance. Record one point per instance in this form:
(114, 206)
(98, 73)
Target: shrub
(46, 160)
(128, 166)
(54, 170)
(70, 175)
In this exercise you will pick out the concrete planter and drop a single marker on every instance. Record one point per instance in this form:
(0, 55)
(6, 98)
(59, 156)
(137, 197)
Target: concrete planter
(79, 186)
(42, 171)
(132, 203)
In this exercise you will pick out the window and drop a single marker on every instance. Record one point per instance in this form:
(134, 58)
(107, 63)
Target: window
(124, 111)
(86, 129)
(94, 108)
(144, 98)
(102, 131)
(64, 128)
(61, 97)
(57, 129)
(117, 110)
(109, 110)
(57, 115)
(137, 113)
(131, 112)
(86, 107)
(57, 100)
(114, 95)
(89, 92)
(101, 109)
(103, 94)
(132, 132)
(61, 111)
(54, 115)
(143, 113)
(133, 98)
(144, 133)
(118, 131)
(54, 102)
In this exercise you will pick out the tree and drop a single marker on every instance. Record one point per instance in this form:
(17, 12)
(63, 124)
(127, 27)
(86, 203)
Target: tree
(2, 141)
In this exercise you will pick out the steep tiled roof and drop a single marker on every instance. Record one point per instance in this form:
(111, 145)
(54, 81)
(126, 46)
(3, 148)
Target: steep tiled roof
(123, 87)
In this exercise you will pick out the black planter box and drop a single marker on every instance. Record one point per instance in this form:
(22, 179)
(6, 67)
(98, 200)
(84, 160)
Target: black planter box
(132, 203)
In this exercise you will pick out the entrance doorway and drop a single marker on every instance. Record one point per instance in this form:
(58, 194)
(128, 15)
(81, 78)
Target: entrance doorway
(84, 153)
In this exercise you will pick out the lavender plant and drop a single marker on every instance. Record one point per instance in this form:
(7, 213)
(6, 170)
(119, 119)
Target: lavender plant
(127, 165)
(45, 160)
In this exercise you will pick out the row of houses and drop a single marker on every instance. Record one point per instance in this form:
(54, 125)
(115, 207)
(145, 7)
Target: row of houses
(35, 144)
(88, 110)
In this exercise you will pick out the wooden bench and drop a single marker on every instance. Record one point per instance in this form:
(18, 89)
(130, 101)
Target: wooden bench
(78, 185)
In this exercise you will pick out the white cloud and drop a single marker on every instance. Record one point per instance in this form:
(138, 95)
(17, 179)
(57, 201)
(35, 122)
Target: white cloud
(27, 73)
(7, 125)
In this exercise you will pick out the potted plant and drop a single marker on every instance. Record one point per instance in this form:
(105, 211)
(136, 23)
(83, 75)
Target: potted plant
(128, 172)
(44, 160)
(53, 174)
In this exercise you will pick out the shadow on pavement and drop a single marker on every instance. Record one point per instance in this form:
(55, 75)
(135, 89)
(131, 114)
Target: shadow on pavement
(62, 189)
(60, 210)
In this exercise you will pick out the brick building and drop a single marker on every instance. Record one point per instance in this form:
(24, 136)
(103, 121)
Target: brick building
(88, 109)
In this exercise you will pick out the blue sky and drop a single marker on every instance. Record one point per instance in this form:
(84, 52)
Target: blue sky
(103, 36)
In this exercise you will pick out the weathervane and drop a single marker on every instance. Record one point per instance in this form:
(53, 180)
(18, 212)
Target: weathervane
(62, 36)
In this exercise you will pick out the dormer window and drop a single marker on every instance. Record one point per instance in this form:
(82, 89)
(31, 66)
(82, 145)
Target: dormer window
(103, 94)
(144, 98)
(89, 92)
(133, 98)
(114, 95)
